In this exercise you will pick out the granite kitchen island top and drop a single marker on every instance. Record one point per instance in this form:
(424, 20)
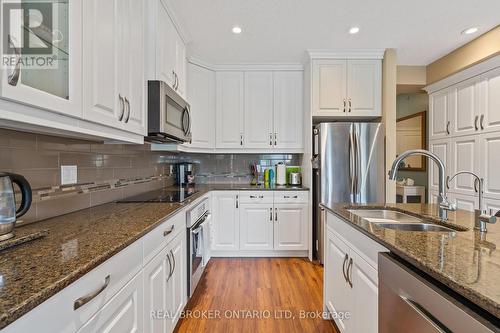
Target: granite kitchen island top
(76, 243)
(463, 261)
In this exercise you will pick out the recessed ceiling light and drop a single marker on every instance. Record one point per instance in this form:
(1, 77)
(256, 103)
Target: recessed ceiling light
(354, 30)
(236, 30)
(470, 31)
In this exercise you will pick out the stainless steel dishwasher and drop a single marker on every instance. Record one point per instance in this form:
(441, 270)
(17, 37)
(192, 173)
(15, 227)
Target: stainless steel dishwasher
(410, 303)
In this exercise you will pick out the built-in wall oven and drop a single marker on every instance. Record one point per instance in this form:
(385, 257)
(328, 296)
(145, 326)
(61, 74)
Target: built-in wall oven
(169, 119)
(198, 242)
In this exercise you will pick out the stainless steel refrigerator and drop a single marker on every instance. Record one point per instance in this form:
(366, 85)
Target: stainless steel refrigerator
(348, 167)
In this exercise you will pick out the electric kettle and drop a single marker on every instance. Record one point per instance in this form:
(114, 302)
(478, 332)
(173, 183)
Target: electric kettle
(8, 212)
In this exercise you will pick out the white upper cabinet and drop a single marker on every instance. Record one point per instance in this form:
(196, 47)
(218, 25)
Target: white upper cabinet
(464, 108)
(132, 83)
(364, 88)
(329, 87)
(166, 48)
(102, 101)
(490, 93)
(259, 109)
(56, 88)
(440, 120)
(114, 85)
(347, 88)
(230, 110)
(288, 109)
(201, 97)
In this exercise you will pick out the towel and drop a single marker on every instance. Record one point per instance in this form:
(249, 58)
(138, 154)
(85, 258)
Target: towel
(206, 240)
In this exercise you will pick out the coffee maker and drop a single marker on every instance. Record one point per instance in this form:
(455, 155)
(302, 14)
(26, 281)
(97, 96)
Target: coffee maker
(185, 174)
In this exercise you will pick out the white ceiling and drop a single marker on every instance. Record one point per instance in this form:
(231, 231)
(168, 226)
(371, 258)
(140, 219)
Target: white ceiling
(281, 30)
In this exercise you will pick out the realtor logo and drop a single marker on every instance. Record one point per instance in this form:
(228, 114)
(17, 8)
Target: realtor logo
(29, 35)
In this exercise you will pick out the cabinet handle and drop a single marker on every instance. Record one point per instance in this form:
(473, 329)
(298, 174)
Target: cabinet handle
(174, 86)
(13, 78)
(237, 204)
(343, 267)
(276, 214)
(349, 272)
(122, 109)
(127, 104)
(270, 139)
(350, 104)
(344, 105)
(85, 299)
(271, 214)
(475, 123)
(256, 197)
(241, 139)
(275, 139)
(169, 231)
(482, 122)
(288, 197)
(475, 185)
(448, 128)
(173, 265)
(169, 266)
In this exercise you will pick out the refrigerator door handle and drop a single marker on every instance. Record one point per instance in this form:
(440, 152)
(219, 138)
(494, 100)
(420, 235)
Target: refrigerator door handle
(352, 164)
(358, 164)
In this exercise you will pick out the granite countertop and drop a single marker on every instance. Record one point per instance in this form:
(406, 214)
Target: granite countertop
(76, 243)
(463, 261)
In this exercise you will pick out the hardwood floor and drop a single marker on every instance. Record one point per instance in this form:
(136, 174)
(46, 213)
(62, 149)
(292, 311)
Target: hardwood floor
(236, 292)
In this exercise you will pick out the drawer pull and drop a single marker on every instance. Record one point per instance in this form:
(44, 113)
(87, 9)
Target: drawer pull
(85, 299)
(288, 197)
(256, 197)
(169, 231)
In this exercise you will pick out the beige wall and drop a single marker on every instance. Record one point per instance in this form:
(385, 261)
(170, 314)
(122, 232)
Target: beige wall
(389, 82)
(481, 48)
(412, 75)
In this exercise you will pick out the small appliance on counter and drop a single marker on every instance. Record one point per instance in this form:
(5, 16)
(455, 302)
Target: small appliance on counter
(295, 179)
(185, 173)
(8, 212)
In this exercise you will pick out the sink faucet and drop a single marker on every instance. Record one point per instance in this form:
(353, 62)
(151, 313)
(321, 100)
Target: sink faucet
(481, 217)
(444, 204)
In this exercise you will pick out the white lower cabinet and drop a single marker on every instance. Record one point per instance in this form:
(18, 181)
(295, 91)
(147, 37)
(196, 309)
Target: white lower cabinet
(351, 277)
(290, 227)
(122, 314)
(260, 223)
(256, 226)
(165, 287)
(225, 229)
(176, 290)
(337, 293)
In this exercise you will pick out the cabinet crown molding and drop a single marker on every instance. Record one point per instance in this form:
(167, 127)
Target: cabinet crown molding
(247, 66)
(345, 54)
(463, 75)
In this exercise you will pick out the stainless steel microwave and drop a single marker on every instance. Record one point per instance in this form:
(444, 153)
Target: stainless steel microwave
(169, 119)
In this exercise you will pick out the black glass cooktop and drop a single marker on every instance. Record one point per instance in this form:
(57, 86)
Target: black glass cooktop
(163, 195)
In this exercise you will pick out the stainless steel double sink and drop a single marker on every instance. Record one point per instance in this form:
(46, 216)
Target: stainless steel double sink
(391, 219)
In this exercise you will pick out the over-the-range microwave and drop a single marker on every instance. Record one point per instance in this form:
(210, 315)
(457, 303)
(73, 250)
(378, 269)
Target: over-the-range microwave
(169, 119)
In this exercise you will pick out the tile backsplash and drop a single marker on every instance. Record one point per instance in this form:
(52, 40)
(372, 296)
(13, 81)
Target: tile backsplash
(109, 172)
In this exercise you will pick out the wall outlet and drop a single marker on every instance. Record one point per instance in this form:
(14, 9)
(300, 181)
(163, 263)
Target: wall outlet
(69, 174)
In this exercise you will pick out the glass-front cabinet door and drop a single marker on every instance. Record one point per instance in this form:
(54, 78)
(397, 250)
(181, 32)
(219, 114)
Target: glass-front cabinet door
(41, 54)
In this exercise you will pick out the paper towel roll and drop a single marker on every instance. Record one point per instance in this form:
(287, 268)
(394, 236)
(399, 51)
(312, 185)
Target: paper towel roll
(280, 174)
